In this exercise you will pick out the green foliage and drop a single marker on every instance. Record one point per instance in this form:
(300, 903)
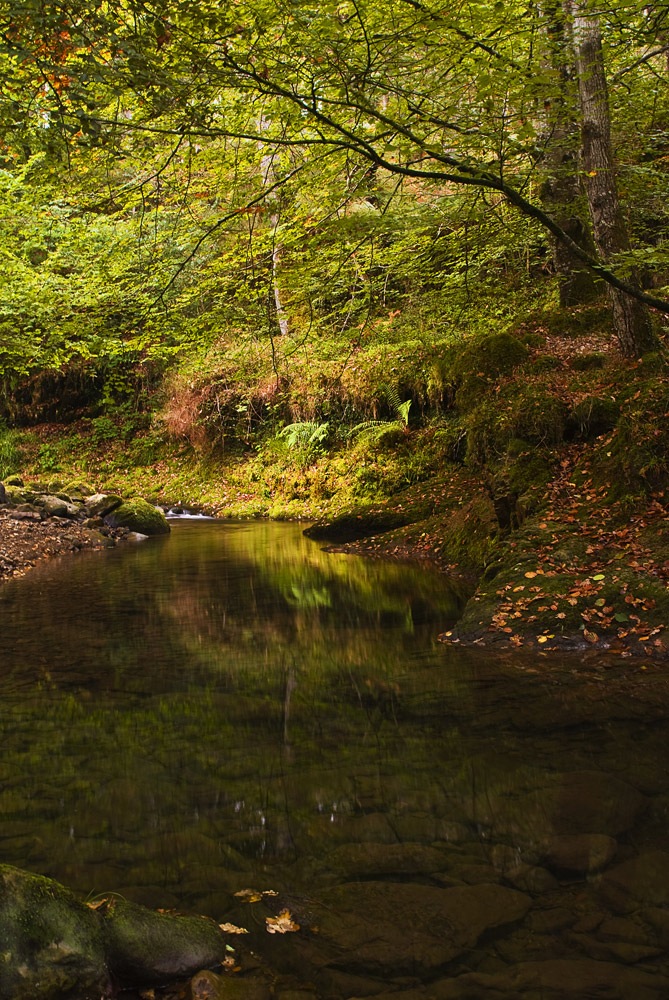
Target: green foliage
(303, 436)
(11, 452)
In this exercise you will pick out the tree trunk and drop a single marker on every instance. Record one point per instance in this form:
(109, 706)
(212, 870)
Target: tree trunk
(561, 189)
(631, 319)
(268, 178)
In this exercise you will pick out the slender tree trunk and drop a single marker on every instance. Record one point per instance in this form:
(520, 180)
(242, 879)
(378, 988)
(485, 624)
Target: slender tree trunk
(561, 191)
(268, 178)
(631, 319)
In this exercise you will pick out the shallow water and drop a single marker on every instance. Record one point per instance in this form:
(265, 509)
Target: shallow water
(231, 708)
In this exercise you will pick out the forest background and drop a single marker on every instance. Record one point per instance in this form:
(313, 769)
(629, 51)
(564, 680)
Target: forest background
(398, 267)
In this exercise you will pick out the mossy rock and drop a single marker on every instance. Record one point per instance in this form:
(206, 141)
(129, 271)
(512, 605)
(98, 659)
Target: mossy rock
(78, 488)
(593, 416)
(13, 481)
(50, 943)
(140, 516)
(361, 522)
(579, 320)
(145, 948)
(545, 363)
(482, 362)
(529, 412)
(592, 361)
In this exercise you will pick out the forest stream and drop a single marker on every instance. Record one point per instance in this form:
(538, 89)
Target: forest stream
(230, 722)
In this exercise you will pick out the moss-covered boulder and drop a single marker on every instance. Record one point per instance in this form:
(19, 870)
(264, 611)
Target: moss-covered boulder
(13, 481)
(50, 943)
(139, 516)
(593, 416)
(146, 948)
(482, 362)
(77, 488)
(359, 522)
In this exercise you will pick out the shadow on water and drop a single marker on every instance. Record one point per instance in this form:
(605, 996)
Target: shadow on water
(229, 707)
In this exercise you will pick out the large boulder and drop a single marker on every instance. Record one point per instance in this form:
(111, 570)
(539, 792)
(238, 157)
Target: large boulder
(145, 948)
(50, 943)
(140, 516)
(55, 947)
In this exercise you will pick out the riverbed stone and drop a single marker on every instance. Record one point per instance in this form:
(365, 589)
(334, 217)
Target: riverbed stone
(395, 928)
(138, 515)
(57, 507)
(147, 948)
(531, 808)
(358, 860)
(641, 881)
(101, 504)
(208, 985)
(50, 943)
(580, 854)
(556, 979)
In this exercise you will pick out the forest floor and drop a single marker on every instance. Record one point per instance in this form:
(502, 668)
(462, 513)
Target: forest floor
(27, 541)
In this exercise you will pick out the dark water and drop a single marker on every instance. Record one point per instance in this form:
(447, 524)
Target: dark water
(230, 708)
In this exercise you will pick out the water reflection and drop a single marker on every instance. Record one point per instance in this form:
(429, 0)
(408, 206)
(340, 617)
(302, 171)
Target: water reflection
(230, 704)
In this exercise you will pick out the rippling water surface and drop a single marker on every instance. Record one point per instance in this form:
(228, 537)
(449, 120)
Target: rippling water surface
(229, 708)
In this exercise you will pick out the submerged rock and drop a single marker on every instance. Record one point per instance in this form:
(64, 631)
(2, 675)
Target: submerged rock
(642, 881)
(580, 854)
(208, 986)
(50, 943)
(557, 979)
(398, 928)
(139, 516)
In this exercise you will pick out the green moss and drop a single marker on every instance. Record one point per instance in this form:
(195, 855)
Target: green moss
(140, 516)
(525, 410)
(146, 948)
(579, 320)
(482, 362)
(592, 361)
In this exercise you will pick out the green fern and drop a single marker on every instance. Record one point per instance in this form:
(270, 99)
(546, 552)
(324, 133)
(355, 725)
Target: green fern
(304, 435)
(401, 408)
(364, 427)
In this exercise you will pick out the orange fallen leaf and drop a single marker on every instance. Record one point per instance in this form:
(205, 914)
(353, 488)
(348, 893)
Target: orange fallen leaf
(283, 924)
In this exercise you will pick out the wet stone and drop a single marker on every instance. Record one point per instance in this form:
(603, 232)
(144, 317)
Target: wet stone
(390, 927)
(642, 880)
(582, 854)
(208, 985)
(557, 979)
(357, 860)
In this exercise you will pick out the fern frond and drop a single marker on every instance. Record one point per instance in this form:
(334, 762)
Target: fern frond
(304, 434)
(366, 425)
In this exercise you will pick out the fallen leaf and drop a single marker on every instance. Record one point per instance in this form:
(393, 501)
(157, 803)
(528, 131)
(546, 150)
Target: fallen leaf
(283, 924)
(232, 929)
